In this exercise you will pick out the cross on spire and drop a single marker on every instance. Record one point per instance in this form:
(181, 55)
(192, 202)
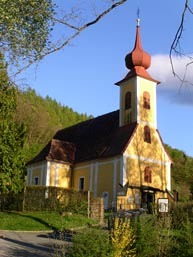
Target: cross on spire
(138, 19)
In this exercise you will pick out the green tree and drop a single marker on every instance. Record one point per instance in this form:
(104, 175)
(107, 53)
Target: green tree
(182, 173)
(25, 26)
(12, 137)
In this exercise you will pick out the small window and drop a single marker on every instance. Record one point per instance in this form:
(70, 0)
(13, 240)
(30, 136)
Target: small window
(146, 100)
(36, 180)
(81, 184)
(128, 100)
(147, 175)
(147, 134)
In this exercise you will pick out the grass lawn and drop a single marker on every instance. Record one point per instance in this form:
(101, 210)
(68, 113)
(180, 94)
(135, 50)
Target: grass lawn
(39, 221)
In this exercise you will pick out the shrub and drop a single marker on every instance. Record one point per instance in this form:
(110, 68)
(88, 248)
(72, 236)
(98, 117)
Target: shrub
(153, 236)
(91, 243)
(122, 238)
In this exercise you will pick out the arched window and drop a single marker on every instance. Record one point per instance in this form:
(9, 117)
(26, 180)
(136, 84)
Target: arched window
(147, 174)
(146, 100)
(147, 134)
(128, 100)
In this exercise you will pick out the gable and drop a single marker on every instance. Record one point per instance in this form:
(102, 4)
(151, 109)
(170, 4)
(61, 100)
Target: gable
(154, 150)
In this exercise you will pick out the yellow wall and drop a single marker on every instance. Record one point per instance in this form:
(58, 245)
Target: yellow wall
(125, 87)
(81, 171)
(137, 86)
(141, 154)
(36, 170)
(55, 174)
(100, 177)
(60, 175)
(147, 114)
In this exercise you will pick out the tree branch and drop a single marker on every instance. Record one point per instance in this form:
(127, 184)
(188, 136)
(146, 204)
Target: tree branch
(77, 30)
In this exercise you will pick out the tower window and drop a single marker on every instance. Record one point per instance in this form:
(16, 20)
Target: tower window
(146, 100)
(147, 134)
(128, 100)
(147, 175)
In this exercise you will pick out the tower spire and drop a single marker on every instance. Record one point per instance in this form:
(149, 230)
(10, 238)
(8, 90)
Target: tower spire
(138, 57)
(138, 60)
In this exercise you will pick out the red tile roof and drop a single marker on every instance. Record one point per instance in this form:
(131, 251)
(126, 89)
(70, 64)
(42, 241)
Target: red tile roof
(56, 150)
(99, 137)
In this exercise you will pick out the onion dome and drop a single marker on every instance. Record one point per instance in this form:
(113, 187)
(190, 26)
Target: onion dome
(137, 61)
(138, 57)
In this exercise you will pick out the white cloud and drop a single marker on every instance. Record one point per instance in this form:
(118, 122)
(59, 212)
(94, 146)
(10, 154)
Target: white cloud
(171, 87)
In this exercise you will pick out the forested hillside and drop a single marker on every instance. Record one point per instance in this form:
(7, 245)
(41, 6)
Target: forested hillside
(42, 117)
(182, 173)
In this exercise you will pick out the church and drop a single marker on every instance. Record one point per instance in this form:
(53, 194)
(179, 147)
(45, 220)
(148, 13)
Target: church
(120, 155)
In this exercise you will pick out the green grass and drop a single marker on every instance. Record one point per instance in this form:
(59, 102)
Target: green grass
(39, 221)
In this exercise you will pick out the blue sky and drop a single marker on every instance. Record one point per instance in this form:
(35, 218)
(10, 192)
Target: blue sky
(83, 74)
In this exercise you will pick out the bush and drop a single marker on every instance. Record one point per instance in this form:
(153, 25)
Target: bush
(122, 237)
(91, 243)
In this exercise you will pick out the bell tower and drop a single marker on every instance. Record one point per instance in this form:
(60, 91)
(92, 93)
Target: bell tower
(138, 88)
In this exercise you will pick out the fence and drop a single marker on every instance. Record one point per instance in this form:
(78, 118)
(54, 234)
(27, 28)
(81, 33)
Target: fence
(41, 198)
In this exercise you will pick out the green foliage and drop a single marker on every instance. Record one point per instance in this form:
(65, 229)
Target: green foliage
(183, 240)
(182, 173)
(12, 165)
(146, 236)
(180, 212)
(122, 237)
(169, 235)
(24, 28)
(91, 243)
(42, 118)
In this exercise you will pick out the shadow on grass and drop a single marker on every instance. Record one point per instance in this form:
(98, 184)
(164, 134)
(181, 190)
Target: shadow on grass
(39, 220)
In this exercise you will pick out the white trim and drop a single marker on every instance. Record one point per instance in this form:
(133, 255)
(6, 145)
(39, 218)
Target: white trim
(121, 171)
(94, 163)
(48, 174)
(123, 175)
(142, 158)
(124, 170)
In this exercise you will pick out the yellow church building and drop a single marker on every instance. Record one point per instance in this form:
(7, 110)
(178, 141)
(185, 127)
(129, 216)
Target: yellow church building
(119, 156)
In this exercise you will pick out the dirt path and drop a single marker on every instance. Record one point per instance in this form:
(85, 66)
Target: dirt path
(27, 244)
